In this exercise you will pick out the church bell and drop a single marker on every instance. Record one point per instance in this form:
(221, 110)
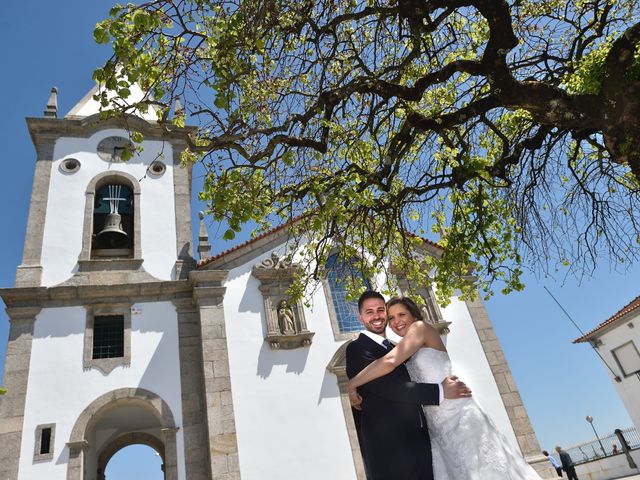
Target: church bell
(112, 235)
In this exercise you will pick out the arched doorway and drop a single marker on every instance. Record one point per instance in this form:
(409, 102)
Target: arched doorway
(115, 420)
(133, 455)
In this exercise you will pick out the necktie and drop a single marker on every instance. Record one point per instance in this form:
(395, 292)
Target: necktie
(387, 344)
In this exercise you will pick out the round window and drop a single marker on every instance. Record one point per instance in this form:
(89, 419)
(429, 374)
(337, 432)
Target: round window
(70, 165)
(157, 168)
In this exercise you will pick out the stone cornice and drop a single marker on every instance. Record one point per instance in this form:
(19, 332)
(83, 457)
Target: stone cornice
(79, 445)
(43, 128)
(208, 278)
(22, 314)
(82, 294)
(200, 285)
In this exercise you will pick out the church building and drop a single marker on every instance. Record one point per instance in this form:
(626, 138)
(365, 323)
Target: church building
(119, 336)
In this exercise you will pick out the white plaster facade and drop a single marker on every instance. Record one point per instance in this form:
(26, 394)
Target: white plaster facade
(287, 400)
(470, 364)
(621, 330)
(59, 389)
(64, 221)
(288, 409)
(95, 407)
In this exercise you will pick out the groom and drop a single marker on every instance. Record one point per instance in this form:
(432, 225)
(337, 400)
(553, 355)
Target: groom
(394, 436)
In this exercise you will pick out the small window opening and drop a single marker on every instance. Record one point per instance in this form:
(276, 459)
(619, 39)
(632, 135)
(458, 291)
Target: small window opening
(108, 336)
(45, 441)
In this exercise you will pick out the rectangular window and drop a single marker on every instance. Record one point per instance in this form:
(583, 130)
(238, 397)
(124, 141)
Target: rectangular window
(108, 336)
(45, 441)
(45, 435)
(628, 358)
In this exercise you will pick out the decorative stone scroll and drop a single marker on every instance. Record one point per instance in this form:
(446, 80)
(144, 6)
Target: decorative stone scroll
(286, 325)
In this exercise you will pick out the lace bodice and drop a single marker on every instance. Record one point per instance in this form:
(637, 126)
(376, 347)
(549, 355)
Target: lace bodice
(429, 365)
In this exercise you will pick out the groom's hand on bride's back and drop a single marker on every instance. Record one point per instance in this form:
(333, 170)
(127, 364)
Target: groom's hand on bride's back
(454, 388)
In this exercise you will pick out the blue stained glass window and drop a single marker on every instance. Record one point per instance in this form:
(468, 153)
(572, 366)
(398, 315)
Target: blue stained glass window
(346, 310)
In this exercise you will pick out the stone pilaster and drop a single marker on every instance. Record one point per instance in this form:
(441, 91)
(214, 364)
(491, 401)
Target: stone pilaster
(182, 193)
(194, 415)
(16, 376)
(338, 366)
(29, 273)
(223, 447)
(77, 451)
(511, 399)
(170, 453)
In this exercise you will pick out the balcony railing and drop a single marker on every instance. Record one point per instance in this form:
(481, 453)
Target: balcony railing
(592, 450)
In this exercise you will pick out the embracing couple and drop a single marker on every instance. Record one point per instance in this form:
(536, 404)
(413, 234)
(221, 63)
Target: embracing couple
(418, 422)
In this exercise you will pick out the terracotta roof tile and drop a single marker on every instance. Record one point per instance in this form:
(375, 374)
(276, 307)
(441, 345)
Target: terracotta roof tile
(631, 306)
(206, 261)
(202, 263)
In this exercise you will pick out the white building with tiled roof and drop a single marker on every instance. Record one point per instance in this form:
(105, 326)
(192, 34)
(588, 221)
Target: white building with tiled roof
(118, 337)
(617, 340)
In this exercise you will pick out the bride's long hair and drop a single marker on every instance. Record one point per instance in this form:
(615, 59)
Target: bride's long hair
(410, 305)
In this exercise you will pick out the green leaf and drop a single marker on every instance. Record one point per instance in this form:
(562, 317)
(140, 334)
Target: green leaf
(101, 34)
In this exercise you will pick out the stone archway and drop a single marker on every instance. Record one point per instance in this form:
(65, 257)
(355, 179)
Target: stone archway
(109, 404)
(123, 441)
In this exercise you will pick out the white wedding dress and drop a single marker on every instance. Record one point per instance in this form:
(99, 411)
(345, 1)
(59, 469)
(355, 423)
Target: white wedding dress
(465, 443)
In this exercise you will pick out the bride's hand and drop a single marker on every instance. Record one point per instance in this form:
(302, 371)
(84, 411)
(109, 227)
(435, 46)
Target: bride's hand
(355, 399)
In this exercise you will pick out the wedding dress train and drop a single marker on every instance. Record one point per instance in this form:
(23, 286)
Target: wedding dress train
(465, 443)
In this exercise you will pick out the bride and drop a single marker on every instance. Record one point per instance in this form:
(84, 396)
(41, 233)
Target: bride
(465, 443)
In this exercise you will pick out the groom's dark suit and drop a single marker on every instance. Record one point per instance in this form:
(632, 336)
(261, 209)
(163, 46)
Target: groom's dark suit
(394, 437)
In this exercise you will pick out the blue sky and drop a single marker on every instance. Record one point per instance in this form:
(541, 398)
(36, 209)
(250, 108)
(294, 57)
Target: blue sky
(47, 44)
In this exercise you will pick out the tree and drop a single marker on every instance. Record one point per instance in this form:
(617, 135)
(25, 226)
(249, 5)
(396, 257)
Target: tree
(509, 130)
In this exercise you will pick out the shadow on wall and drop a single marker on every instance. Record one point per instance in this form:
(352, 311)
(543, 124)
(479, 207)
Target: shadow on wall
(329, 387)
(60, 322)
(251, 300)
(151, 320)
(295, 360)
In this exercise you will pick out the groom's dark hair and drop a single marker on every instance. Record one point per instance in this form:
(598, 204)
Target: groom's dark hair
(366, 295)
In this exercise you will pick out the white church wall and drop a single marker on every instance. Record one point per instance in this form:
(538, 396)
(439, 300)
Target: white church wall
(59, 389)
(287, 400)
(629, 387)
(289, 418)
(470, 363)
(64, 221)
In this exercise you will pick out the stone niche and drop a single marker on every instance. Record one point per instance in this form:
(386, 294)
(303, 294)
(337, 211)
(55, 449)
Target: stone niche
(427, 302)
(286, 325)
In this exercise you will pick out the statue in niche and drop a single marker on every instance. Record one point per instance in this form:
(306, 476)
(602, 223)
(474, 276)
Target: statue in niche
(286, 321)
(425, 309)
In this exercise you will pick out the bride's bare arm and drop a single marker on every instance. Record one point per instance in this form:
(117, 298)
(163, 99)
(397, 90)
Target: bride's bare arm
(418, 335)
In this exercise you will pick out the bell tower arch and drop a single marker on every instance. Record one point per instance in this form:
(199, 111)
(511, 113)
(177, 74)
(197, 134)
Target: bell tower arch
(97, 195)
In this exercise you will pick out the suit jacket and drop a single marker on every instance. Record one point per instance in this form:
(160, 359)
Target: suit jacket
(567, 463)
(394, 437)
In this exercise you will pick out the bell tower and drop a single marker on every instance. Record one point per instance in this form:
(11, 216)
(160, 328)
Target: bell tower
(88, 197)
(96, 357)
